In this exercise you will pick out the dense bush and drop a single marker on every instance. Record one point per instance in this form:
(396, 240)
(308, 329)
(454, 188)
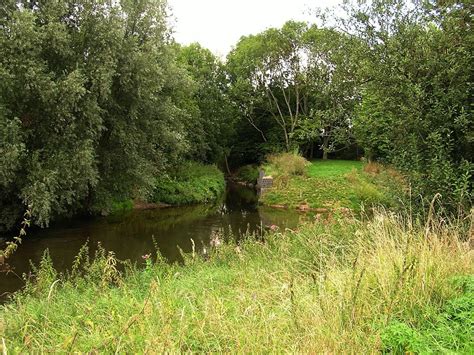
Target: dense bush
(190, 183)
(416, 107)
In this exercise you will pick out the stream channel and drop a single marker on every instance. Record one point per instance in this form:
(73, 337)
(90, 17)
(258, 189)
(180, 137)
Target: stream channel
(135, 233)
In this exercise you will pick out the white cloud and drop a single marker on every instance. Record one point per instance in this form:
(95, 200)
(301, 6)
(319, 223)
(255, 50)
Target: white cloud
(218, 24)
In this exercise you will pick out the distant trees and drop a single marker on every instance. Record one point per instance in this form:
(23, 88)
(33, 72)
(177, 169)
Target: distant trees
(298, 76)
(212, 114)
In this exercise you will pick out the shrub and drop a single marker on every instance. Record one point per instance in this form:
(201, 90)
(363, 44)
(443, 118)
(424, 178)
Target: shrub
(121, 206)
(190, 183)
(288, 164)
(372, 168)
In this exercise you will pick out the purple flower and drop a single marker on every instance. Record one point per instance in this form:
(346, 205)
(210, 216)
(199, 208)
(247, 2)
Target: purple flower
(274, 227)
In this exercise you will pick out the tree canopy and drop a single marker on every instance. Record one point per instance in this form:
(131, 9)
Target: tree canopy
(97, 100)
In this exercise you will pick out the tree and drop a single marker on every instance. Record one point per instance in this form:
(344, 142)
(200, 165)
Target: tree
(302, 77)
(213, 114)
(416, 107)
(268, 72)
(86, 108)
(333, 86)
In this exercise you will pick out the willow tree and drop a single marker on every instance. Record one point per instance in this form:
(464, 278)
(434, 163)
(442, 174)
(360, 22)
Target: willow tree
(86, 112)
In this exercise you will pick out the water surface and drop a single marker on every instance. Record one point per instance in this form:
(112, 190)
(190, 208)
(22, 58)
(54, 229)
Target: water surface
(130, 235)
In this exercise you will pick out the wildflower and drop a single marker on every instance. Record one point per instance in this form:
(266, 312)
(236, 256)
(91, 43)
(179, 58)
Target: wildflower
(146, 256)
(273, 227)
(215, 241)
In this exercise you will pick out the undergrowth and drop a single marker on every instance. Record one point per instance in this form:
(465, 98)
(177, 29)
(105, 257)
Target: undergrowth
(247, 173)
(389, 284)
(190, 183)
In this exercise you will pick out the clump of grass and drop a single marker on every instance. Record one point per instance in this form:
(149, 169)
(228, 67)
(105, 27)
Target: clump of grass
(190, 183)
(287, 164)
(334, 287)
(119, 206)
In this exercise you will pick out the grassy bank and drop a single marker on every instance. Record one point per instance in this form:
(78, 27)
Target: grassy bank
(347, 286)
(330, 184)
(190, 183)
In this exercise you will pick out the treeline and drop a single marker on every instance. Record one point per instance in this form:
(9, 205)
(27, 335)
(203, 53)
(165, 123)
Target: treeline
(97, 100)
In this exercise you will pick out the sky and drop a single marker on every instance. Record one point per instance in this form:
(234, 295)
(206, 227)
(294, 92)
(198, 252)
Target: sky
(218, 24)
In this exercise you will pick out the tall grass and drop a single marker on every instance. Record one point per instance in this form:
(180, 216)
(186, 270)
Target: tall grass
(287, 164)
(340, 286)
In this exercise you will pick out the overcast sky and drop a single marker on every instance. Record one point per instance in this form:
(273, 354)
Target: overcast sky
(218, 24)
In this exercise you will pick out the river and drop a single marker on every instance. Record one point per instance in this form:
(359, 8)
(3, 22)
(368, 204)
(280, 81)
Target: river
(133, 234)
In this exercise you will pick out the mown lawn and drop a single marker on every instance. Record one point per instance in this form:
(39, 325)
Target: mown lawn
(333, 168)
(334, 184)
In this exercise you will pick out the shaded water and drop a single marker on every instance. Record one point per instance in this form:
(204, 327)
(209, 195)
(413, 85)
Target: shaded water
(130, 235)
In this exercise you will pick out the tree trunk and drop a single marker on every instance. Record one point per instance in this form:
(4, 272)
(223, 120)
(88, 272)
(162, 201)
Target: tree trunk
(325, 147)
(226, 164)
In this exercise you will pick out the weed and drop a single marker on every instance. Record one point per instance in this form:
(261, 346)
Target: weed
(248, 173)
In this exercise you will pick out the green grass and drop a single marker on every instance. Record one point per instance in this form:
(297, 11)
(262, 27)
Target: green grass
(333, 168)
(121, 206)
(338, 287)
(333, 184)
(189, 184)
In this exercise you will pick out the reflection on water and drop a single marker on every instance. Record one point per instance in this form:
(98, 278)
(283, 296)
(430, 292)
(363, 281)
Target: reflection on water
(131, 235)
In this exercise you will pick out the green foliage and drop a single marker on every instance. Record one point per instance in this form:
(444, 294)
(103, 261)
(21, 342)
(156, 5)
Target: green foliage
(88, 105)
(417, 97)
(190, 183)
(211, 125)
(121, 206)
(449, 329)
(330, 287)
(286, 164)
(248, 173)
(296, 81)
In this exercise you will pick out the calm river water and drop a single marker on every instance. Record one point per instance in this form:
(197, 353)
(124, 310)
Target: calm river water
(130, 235)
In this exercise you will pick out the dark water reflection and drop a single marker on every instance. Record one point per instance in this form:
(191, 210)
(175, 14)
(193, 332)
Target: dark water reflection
(131, 235)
